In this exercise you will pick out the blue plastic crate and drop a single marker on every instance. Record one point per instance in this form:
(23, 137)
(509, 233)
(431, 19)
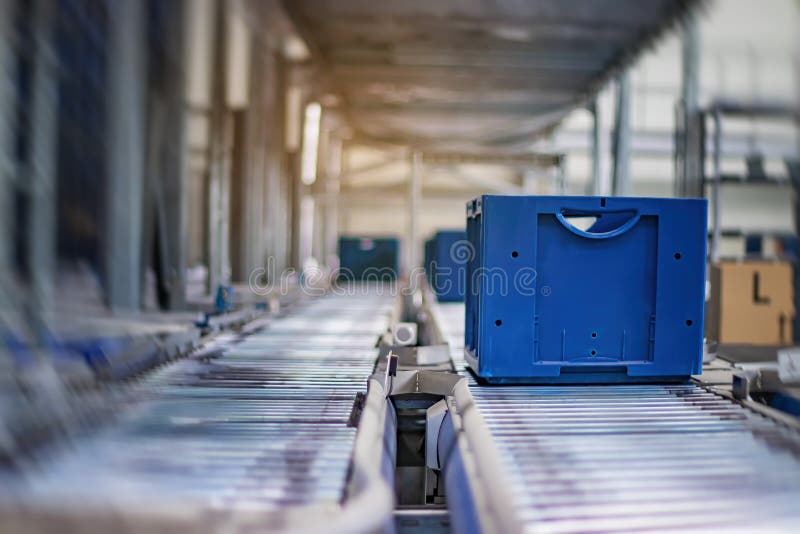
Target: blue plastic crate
(368, 258)
(427, 260)
(585, 289)
(446, 256)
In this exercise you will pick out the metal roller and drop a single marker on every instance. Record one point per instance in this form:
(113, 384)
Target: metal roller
(636, 457)
(260, 425)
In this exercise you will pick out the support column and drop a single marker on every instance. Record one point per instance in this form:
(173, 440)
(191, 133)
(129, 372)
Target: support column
(41, 221)
(8, 306)
(414, 196)
(690, 63)
(305, 237)
(319, 191)
(7, 129)
(715, 192)
(219, 164)
(622, 136)
(244, 101)
(293, 127)
(197, 58)
(174, 170)
(274, 228)
(561, 176)
(251, 239)
(332, 187)
(280, 177)
(601, 179)
(689, 137)
(125, 115)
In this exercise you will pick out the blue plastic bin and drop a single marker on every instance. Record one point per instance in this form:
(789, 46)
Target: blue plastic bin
(446, 256)
(373, 259)
(428, 252)
(585, 289)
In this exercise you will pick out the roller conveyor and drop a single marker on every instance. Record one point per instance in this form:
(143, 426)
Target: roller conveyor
(258, 424)
(595, 458)
(629, 458)
(255, 432)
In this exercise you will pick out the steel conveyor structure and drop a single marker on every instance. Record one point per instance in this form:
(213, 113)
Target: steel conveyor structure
(250, 434)
(561, 459)
(268, 429)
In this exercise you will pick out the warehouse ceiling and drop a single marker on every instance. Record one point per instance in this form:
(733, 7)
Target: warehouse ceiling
(472, 74)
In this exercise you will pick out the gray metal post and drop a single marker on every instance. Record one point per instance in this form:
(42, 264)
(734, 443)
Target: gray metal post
(251, 239)
(174, 172)
(688, 142)
(41, 222)
(294, 98)
(332, 186)
(219, 164)
(622, 136)
(7, 177)
(319, 190)
(178, 210)
(219, 205)
(126, 157)
(274, 203)
(7, 174)
(715, 200)
(281, 202)
(600, 151)
(690, 63)
(561, 176)
(414, 194)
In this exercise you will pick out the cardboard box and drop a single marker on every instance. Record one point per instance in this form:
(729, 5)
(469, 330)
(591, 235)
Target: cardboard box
(752, 302)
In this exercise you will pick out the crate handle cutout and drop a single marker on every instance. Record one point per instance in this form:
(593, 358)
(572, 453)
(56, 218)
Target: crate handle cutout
(606, 224)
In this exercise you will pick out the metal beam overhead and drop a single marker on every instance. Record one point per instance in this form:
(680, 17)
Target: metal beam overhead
(495, 158)
(494, 186)
(370, 168)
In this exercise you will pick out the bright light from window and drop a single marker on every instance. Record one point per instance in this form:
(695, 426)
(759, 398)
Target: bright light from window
(308, 169)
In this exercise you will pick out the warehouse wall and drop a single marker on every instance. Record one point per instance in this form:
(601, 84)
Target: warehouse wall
(375, 202)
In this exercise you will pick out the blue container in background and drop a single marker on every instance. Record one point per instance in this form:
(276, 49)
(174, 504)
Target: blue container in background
(368, 258)
(585, 289)
(427, 260)
(446, 257)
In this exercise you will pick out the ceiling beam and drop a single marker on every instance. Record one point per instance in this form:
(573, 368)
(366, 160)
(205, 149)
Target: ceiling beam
(372, 166)
(534, 159)
(454, 76)
(487, 184)
(475, 107)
